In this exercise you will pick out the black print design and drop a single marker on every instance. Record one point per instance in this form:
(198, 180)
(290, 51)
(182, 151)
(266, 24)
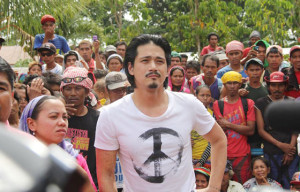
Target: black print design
(157, 157)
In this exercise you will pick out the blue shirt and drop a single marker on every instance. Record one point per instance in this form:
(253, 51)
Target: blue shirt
(59, 41)
(227, 68)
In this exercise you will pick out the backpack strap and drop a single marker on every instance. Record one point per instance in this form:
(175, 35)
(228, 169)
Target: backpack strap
(221, 106)
(245, 106)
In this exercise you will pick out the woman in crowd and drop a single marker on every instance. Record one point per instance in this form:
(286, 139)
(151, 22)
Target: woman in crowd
(14, 116)
(202, 176)
(260, 168)
(45, 117)
(115, 62)
(177, 80)
(34, 68)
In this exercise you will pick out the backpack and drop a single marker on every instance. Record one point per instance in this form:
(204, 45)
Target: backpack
(244, 103)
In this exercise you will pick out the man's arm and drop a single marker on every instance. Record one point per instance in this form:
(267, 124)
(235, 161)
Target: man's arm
(105, 164)
(96, 45)
(218, 142)
(241, 129)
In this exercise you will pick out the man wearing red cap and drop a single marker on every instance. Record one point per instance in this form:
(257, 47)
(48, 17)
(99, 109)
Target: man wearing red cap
(48, 26)
(279, 147)
(293, 72)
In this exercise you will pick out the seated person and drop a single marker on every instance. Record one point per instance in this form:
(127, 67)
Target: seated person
(295, 182)
(202, 176)
(227, 184)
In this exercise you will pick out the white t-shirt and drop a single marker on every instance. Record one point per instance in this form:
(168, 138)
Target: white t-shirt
(57, 69)
(155, 152)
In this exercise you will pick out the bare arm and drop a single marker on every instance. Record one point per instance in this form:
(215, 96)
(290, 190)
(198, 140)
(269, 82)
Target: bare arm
(218, 142)
(105, 164)
(97, 56)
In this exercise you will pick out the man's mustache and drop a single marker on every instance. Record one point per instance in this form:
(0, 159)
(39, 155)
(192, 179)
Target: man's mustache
(153, 73)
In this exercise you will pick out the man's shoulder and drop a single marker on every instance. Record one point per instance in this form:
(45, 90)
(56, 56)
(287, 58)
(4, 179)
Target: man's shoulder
(93, 112)
(60, 37)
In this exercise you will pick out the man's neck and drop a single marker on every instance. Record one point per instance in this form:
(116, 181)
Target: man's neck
(152, 103)
(81, 111)
(208, 81)
(274, 99)
(237, 67)
(232, 99)
(273, 69)
(51, 65)
(255, 84)
(213, 46)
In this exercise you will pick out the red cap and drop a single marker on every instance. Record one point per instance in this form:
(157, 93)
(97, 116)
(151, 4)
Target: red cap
(277, 77)
(46, 18)
(294, 48)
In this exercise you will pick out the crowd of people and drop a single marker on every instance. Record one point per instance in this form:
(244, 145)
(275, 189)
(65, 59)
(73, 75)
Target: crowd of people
(116, 112)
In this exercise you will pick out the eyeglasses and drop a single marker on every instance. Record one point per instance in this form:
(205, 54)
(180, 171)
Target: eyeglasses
(47, 54)
(75, 79)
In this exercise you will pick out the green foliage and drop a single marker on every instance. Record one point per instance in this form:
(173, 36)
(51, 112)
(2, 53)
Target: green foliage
(23, 63)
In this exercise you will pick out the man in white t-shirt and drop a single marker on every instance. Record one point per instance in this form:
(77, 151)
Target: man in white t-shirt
(48, 52)
(150, 128)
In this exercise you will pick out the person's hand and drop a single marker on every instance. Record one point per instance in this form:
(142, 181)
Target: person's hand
(49, 32)
(85, 65)
(287, 148)
(35, 89)
(264, 181)
(70, 109)
(96, 45)
(223, 123)
(287, 159)
(243, 92)
(252, 53)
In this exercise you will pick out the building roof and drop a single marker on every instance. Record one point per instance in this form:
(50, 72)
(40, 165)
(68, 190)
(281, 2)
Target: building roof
(12, 54)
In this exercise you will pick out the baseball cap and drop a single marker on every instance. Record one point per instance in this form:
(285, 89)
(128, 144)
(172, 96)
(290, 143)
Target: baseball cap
(46, 18)
(47, 47)
(234, 46)
(276, 46)
(175, 54)
(115, 80)
(296, 179)
(276, 77)
(294, 48)
(110, 48)
(254, 60)
(203, 171)
(228, 166)
(221, 55)
(254, 34)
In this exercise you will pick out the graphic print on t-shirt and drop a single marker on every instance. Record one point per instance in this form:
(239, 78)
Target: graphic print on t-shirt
(79, 138)
(161, 161)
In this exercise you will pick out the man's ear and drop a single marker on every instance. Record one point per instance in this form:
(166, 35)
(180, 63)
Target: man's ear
(31, 124)
(130, 68)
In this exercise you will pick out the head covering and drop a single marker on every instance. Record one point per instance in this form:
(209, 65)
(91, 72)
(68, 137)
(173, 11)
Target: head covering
(72, 72)
(294, 48)
(59, 56)
(231, 76)
(276, 77)
(78, 58)
(110, 48)
(47, 47)
(175, 54)
(234, 46)
(114, 56)
(46, 18)
(296, 179)
(115, 80)
(27, 113)
(254, 34)
(182, 88)
(254, 60)
(277, 46)
(221, 55)
(203, 171)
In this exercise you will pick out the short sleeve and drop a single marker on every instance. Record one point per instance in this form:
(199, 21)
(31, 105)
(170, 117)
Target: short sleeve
(203, 119)
(38, 41)
(105, 137)
(251, 110)
(65, 46)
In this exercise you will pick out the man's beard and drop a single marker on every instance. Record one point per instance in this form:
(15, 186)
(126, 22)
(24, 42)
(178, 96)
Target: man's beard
(153, 85)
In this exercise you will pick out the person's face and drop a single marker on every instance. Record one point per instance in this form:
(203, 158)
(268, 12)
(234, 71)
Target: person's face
(48, 27)
(183, 62)
(260, 170)
(115, 65)
(234, 57)
(22, 96)
(295, 60)
(223, 63)
(226, 178)
(75, 94)
(59, 60)
(85, 51)
(47, 57)
(102, 58)
(261, 53)
(116, 94)
(232, 88)
(277, 90)
(150, 67)
(175, 61)
(35, 70)
(121, 49)
(209, 69)
(213, 41)
(177, 78)
(70, 61)
(254, 39)
(204, 96)
(254, 72)
(6, 98)
(274, 60)
(191, 72)
(52, 122)
(201, 181)
(55, 87)
(15, 108)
